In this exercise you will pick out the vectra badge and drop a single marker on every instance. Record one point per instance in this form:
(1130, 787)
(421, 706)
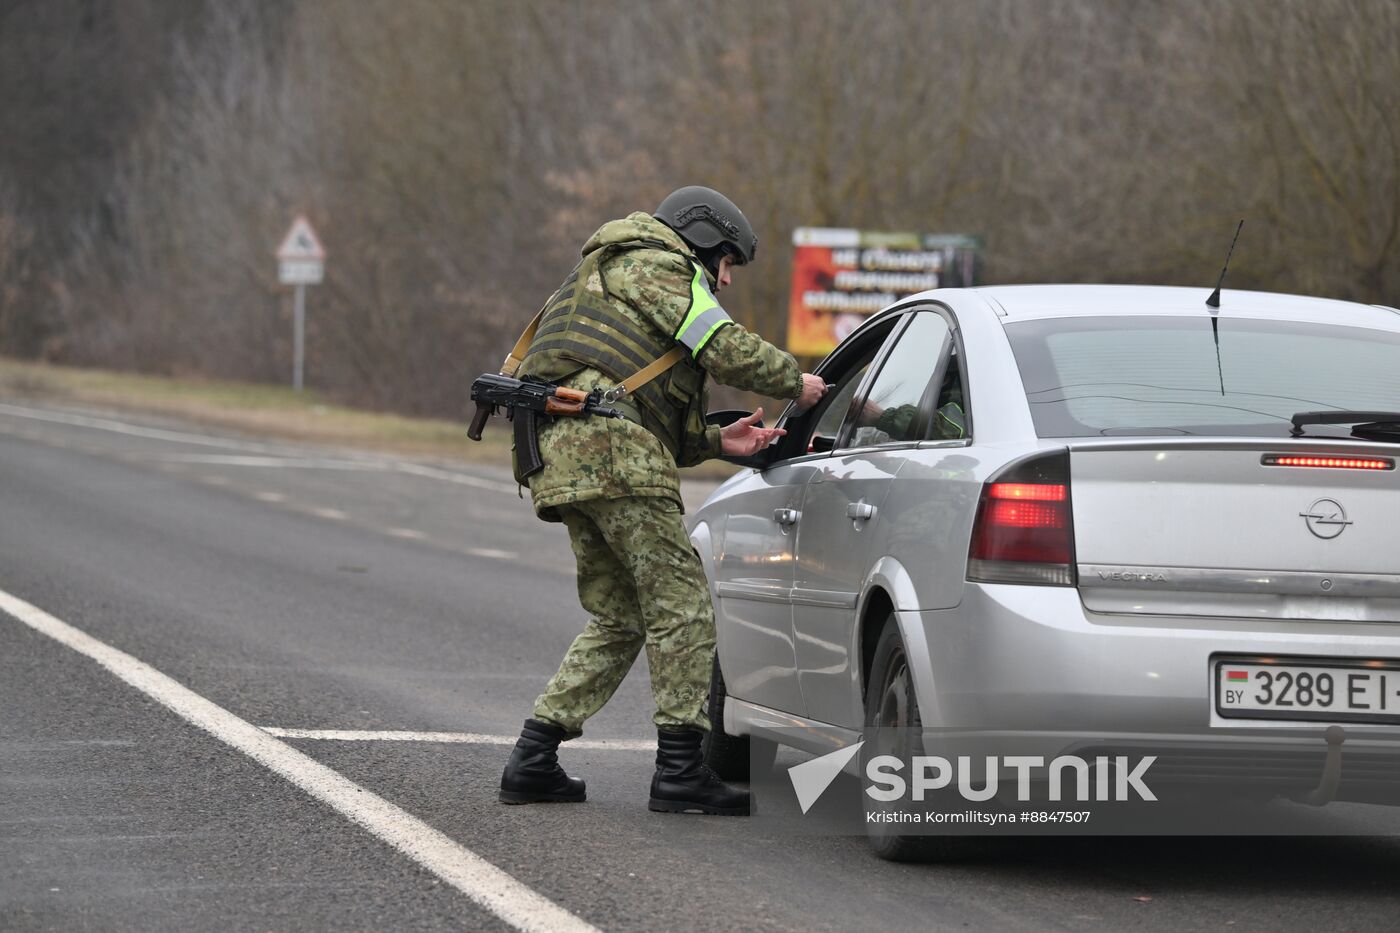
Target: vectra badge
(1133, 576)
(1326, 518)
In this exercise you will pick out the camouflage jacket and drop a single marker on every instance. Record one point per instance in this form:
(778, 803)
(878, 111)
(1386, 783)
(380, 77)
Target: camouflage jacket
(900, 423)
(590, 458)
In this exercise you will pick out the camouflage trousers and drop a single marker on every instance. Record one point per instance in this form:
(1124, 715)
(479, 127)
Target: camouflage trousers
(642, 582)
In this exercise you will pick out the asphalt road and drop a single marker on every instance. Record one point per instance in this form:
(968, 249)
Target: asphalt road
(306, 589)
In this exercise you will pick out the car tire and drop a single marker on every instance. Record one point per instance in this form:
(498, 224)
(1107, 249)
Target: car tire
(890, 702)
(732, 757)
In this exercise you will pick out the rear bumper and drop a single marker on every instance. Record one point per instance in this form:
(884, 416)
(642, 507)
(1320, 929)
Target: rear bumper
(1026, 670)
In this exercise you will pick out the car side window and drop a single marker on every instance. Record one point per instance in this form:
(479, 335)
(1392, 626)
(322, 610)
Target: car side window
(816, 431)
(837, 405)
(949, 417)
(893, 410)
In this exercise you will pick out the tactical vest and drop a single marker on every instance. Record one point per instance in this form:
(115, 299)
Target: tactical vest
(582, 327)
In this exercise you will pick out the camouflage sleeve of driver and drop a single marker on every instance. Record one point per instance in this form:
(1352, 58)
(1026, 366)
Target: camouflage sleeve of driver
(897, 422)
(657, 284)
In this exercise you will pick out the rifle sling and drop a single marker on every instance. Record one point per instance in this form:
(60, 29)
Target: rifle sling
(653, 369)
(517, 353)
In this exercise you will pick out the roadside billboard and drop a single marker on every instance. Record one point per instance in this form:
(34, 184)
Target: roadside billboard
(841, 276)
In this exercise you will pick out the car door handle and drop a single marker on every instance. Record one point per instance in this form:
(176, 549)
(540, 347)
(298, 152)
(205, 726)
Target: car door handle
(860, 511)
(786, 516)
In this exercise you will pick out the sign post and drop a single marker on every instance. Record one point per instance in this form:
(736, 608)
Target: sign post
(301, 261)
(299, 339)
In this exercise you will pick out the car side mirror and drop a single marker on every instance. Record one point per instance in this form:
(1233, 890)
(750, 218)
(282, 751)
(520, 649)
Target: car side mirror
(723, 419)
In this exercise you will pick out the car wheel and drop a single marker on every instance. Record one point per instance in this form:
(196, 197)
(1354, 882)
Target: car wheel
(732, 757)
(890, 704)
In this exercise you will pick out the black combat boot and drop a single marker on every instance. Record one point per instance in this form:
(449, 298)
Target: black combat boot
(684, 784)
(533, 774)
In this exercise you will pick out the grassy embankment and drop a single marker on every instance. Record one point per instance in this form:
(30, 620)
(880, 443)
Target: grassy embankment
(266, 411)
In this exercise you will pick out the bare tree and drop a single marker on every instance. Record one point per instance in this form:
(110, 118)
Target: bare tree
(455, 155)
(1317, 84)
(19, 331)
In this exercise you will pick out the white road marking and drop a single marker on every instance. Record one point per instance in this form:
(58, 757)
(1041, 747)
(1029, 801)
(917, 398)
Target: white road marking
(408, 533)
(270, 496)
(288, 462)
(120, 427)
(495, 890)
(455, 738)
(462, 479)
(333, 514)
(277, 460)
(492, 552)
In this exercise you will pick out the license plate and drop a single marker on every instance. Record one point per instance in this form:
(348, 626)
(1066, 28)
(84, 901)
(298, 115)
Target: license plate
(1307, 689)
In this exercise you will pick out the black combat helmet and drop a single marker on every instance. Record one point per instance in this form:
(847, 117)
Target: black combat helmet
(710, 222)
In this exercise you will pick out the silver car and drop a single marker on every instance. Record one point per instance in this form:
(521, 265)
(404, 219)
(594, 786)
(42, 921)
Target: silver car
(1079, 519)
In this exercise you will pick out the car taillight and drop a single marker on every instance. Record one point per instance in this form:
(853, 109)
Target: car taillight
(1024, 532)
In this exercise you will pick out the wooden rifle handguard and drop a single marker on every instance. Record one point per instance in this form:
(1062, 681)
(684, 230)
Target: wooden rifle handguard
(566, 401)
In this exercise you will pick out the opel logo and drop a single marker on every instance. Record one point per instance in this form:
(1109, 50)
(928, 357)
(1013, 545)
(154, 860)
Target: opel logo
(1326, 518)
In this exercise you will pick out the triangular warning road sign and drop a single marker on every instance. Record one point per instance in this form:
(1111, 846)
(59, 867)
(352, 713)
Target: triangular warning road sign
(301, 242)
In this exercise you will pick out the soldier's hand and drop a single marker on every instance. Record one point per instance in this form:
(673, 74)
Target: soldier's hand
(813, 388)
(742, 439)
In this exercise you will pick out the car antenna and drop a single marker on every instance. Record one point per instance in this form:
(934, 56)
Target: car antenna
(1213, 302)
(1214, 299)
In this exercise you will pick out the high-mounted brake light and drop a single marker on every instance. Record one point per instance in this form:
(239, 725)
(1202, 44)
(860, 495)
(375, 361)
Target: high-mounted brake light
(1329, 463)
(1024, 532)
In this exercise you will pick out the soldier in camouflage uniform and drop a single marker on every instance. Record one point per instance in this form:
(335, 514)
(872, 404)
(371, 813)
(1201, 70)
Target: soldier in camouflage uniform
(645, 285)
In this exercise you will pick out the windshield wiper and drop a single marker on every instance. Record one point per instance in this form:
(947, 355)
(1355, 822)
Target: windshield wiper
(1378, 431)
(1382, 424)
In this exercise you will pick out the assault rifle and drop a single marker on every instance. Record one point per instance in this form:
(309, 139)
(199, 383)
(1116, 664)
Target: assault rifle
(524, 401)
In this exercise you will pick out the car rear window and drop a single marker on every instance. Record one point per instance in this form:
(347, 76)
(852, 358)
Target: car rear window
(1109, 376)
